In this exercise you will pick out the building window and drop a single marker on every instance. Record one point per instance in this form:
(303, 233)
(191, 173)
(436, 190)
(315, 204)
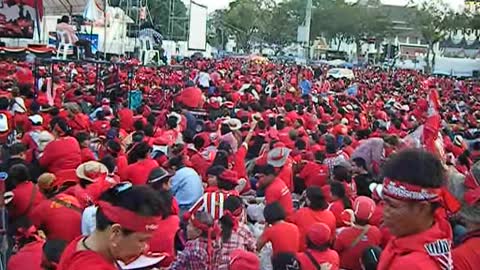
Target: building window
(402, 39)
(413, 40)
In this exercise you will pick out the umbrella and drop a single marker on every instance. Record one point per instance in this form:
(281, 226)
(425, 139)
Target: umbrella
(338, 73)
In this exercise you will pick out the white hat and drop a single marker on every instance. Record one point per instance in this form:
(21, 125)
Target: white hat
(8, 197)
(344, 121)
(176, 115)
(376, 189)
(405, 108)
(349, 107)
(233, 123)
(19, 105)
(36, 119)
(278, 156)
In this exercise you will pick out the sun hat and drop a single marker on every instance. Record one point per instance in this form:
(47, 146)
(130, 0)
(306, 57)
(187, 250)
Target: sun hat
(90, 170)
(278, 156)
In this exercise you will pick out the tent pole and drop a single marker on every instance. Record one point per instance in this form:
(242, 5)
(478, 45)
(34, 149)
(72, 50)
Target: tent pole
(37, 20)
(104, 29)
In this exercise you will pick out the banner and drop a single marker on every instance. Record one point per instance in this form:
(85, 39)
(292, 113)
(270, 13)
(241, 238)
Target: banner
(17, 17)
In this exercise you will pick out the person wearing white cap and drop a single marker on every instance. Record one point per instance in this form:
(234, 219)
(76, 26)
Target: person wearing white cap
(31, 138)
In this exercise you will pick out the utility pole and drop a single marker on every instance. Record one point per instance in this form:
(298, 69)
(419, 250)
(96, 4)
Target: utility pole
(308, 22)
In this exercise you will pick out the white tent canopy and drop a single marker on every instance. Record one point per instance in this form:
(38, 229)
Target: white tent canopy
(64, 7)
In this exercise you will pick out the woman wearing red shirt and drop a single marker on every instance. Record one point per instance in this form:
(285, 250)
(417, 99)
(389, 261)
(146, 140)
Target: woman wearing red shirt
(64, 152)
(26, 195)
(284, 236)
(340, 202)
(138, 171)
(318, 252)
(316, 211)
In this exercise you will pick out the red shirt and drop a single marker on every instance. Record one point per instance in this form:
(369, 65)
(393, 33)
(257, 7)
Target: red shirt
(87, 154)
(327, 256)
(286, 174)
(278, 191)
(138, 172)
(101, 127)
(467, 255)
(337, 208)
(58, 221)
(314, 174)
(61, 154)
(240, 166)
(409, 252)
(85, 259)
(350, 256)
(306, 217)
(28, 257)
(163, 240)
(126, 119)
(200, 164)
(284, 237)
(22, 195)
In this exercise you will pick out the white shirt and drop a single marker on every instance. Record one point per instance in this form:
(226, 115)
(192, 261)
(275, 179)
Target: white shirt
(89, 222)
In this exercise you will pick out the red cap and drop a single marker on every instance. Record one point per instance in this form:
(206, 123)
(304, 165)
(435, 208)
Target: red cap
(363, 207)
(229, 176)
(319, 233)
(243, 260)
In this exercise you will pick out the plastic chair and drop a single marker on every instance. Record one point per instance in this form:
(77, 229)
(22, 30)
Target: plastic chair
(65, 46)
(147, 53)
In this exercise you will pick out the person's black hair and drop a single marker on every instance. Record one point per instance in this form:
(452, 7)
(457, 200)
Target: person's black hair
(138, 136)
(274, 212)
(317, 198)
(53, 249)
(215, 170)
(322, 128)
(64, 19)
(225, 146)
(261, 125)
(59, 123)
(280, 123)
(311, 245)
(360, 162)
(464, 160)
(166, 199)
(225, 129)
(17, 149)
(232, 203)
(143, 200)
(289, 107)
(221, 159)
(138, 125)
(300, 144)
(114, 147)
(347, 140)
(4, 103)
(198, 142)
(139, 151)
(225, 185)
(22, 222)
(82, 137)
(285, 261)
(176, 161)
(342, 174)
(370, 257)
(100, 115)
(338, 189)
(319, 156)
(415, 166)
(272, 121)
(149, 131)
(331, 147)
(115, 123)
(19, 173)
(172, 122)
(110, 162)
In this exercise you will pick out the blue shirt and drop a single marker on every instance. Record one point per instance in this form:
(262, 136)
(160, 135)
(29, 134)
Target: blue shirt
(186, 187)
(306, 87)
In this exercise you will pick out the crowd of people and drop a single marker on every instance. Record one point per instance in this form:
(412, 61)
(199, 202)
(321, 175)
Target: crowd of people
(235, 164)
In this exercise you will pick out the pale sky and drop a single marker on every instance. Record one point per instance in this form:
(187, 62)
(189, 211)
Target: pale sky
(218, 4)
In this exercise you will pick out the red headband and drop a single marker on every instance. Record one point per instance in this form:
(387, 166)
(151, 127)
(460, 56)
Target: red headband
(409, 192)
(234, 216)
(128, 219)
(212, 231)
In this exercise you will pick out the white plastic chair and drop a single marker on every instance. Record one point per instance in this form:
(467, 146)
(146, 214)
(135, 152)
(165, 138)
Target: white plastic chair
(147, 53)
(65, 46)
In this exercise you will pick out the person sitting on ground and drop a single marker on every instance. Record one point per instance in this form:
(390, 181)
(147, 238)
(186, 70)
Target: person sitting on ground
(318, 252)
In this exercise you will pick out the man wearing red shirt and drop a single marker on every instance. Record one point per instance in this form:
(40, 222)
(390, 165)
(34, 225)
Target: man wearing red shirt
(275, 189)
(315, 173)
(352, 241)
(283, 235)
(137, 173)
(318, 253)
(59, 217)
(316, 211)
(29, 257)
(279, 157)
(411, 189)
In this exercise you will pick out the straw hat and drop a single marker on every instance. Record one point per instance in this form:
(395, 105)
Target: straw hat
(278, 156)
(90, 170)
(233, 123)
